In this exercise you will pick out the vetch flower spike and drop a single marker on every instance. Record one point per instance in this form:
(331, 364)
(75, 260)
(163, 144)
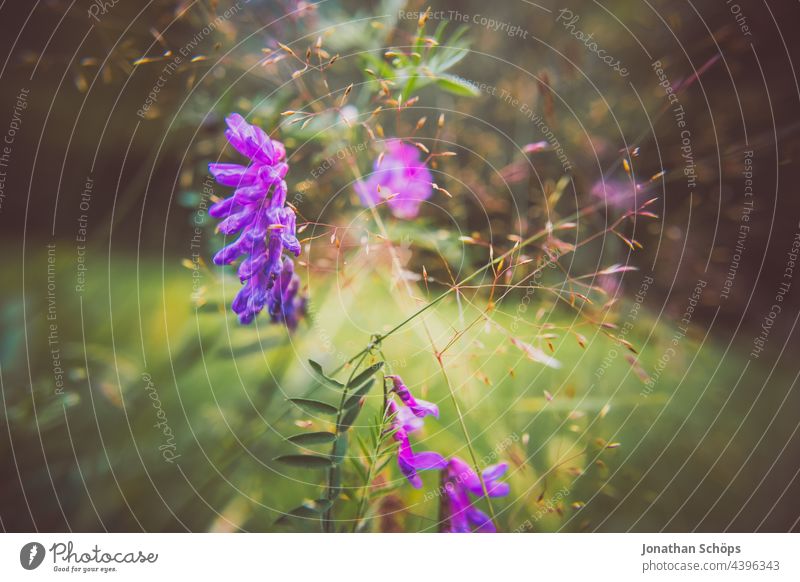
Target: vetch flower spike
(265, 226)
(460, 481)
(409, 461)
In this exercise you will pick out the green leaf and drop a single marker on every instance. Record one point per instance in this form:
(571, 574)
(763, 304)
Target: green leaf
(457, 35)
(303, 511)
(365, 375)
(439, 32)
(358, 394)
(320, 375)
(383, 464)
(359, 468)
(312, 510)
(385, 490)
(314, 406)
(312, 438)
(365, 450)
(349, 418)
(305, 461)
(409, 87)
(389, 432)
(448, 58)
(456, 86)
(450, 52)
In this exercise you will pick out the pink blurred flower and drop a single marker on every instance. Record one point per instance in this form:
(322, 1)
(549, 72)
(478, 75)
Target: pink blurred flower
(620, 194)
(401, 174)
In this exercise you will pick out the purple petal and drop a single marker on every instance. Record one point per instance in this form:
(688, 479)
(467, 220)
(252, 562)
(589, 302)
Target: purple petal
(240, 301)
(480, 520)
(429, 460)
(409, 471)
(249, 140)
(367, 192)
(274, 256)
(458, 503)
(463, 474)
(404, 208)
(222, 208)
(273, 174)
(234, 174)
(498, 489)
(420, 408)
(251, 266)
(250, 194)
(402, 174)
(490, 476)
(493, 472)
(226, 255)
(278, 195)
(407, 461)
(288, 236)
(280, 151)
(235, 222)
(423, 408)
(398, 150)
(408, 420)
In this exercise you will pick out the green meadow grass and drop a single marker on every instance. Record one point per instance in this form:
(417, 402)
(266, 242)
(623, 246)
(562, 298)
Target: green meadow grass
(572, 436)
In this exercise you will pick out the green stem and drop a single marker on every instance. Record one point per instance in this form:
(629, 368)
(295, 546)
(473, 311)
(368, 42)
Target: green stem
(467, 437)
(327, 522)
(373, 462)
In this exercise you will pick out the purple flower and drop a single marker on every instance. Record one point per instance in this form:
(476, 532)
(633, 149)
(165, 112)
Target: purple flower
(461, 480)
(419, 407)
(408, 420)
(463, 473)
(405, 421)
(401, 172)
(623, 194)
(286, 304)
(619, 194)
(256, 212)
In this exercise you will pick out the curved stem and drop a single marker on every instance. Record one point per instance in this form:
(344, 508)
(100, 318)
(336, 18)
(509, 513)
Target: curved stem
(473, 458)
(373, 462)
(326, 520)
